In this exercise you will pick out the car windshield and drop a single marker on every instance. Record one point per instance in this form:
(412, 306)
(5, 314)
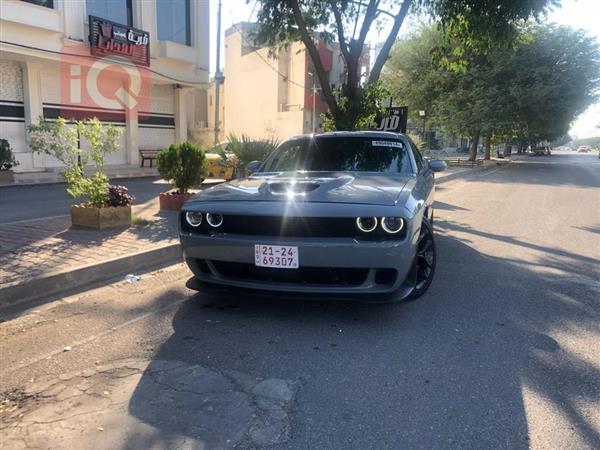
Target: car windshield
(333, 154)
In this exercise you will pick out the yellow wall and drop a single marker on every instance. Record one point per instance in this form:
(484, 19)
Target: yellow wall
(258, 101)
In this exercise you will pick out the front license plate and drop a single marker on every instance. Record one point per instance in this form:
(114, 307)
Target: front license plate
(279, 256)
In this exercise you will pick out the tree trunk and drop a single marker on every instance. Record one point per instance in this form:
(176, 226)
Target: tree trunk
(474, 145)
(488, 148)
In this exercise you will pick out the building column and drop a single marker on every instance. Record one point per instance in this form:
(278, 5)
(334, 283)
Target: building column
(32, 101)
(74, 13)
(132, 131)
(180, 109)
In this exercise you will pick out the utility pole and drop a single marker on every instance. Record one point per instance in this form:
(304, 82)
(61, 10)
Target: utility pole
(219, 78)
(314, 102)
(314, 111)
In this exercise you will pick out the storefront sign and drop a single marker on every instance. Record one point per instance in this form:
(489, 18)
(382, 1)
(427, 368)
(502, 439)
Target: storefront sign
(394, 119)
(109, 38)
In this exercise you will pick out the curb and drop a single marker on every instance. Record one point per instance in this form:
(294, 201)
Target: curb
(46, 182)
(62, 282)
(468, 172)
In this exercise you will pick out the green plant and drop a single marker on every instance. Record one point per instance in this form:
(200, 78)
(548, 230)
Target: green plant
(140, 222)
(60, 140)
(103, 140)
(7, 159)
(184, 165)
(247, 149)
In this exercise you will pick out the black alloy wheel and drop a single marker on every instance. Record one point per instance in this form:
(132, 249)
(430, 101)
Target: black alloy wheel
(424, 263)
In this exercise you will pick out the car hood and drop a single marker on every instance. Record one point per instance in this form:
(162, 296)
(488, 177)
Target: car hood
(326, 187)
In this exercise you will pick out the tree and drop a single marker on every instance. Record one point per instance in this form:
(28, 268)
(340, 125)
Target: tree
(477, 23)
(525, 93)
(555, 77)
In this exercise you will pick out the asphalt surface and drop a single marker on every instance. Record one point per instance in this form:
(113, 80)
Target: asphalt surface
(502, 352)
(46, 200)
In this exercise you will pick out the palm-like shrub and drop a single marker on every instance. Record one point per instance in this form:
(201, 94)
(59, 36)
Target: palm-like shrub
(247, 149)
(183, 165)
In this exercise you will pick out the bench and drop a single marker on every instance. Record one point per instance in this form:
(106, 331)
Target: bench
(147, 154)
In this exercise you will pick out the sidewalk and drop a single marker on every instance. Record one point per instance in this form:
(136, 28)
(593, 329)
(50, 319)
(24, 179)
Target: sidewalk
(51, 176)
(453, 172)
(42, 257)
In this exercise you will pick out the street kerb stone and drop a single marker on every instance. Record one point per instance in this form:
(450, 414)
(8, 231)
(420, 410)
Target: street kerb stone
(42, 263)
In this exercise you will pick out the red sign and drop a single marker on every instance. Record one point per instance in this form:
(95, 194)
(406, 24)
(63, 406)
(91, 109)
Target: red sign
(109, 38)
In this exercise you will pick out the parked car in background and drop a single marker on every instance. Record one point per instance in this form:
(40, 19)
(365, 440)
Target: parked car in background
(220, 168)
(584, 149)
(333, 213)
(541, 150)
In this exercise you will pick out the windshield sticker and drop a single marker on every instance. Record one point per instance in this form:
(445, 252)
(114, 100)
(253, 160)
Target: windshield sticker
(386, 144)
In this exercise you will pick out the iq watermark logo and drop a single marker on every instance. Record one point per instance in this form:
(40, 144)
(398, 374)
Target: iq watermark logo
(110, 88)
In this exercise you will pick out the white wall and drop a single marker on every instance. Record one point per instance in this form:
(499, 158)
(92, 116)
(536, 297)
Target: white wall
(12, 128)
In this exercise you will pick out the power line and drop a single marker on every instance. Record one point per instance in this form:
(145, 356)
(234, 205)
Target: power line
(55, 52)
(251, 45)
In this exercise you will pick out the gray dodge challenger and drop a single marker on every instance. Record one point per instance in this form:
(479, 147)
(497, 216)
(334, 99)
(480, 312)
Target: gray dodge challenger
(332, 213)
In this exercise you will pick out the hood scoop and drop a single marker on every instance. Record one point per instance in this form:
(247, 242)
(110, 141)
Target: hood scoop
(287, 188)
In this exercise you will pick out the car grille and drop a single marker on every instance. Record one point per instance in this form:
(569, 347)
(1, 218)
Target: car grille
(291, 227)
(304, 275)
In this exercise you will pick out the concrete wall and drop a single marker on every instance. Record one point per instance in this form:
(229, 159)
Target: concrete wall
(258, 101)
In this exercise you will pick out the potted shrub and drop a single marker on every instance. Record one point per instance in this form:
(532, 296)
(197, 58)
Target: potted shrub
(7, 162)
(184, 166)
(106, 206)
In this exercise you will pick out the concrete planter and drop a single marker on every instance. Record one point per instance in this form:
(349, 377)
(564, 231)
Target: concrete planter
(7, 177)
(172, 200)
(100, 218)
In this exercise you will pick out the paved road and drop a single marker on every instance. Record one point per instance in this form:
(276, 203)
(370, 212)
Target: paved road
(52, 200)
(502, 352)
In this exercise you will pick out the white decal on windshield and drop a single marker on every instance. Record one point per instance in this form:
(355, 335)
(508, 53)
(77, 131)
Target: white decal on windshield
(386, 144)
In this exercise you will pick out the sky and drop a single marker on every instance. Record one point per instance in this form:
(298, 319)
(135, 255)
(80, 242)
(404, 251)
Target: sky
(583, 14)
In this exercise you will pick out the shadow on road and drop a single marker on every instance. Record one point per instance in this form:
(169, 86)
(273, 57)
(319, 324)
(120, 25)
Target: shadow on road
(448, 370)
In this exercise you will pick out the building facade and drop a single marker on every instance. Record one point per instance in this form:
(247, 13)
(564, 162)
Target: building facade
(143, 63)
(275, 97)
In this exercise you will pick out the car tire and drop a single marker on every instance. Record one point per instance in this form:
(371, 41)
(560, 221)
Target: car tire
(425, 261)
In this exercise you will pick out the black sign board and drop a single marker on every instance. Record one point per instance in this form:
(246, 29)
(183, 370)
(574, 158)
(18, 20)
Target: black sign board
(394, 119)
(108, 38)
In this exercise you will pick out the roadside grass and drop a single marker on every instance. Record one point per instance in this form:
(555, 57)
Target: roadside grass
(139, 222)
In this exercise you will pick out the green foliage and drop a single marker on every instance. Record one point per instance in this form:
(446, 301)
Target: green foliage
(184, 165)
(94, 188)
(59, 140)
(475, 26)
(7, 159)
(103, 140)
(478, 26)
(357, 112)
(247, 149)
(526, 93)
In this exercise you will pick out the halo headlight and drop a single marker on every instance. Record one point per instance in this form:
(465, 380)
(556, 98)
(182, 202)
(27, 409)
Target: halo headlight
(392, 225)
(366, 224)
(214, 220)
(193, 218)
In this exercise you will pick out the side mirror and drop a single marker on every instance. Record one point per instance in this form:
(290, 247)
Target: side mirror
(253, 166)
(437, 165)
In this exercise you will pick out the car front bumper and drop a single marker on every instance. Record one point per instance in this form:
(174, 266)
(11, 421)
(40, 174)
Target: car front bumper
(327, 265)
